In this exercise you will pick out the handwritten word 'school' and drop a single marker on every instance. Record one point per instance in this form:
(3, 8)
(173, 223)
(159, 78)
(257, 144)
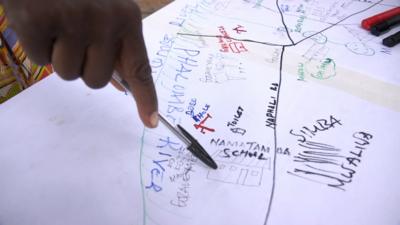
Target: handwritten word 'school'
(230, 45)
(228, 153)
(233, 124)
(202, 127)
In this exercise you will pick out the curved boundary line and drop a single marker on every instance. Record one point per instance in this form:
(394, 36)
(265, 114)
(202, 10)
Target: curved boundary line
(141, 176)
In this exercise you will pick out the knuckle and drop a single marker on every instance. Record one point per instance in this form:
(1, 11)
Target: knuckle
(141, 74)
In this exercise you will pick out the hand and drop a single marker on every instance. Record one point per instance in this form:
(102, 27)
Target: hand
(88, 39)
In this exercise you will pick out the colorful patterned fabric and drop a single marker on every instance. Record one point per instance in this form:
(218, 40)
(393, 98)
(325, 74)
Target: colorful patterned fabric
(17, 72)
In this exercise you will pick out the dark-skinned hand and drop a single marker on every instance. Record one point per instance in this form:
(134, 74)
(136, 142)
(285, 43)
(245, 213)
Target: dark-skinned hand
(88, 39)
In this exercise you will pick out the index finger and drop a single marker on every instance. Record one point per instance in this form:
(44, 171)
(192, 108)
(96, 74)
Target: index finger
(135, 69)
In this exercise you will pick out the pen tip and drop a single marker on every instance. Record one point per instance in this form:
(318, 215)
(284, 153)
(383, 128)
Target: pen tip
(214, 166)
(210, 162)
(198, 150)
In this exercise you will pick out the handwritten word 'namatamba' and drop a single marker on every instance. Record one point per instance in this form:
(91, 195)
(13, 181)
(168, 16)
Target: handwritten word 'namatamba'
(247, 146)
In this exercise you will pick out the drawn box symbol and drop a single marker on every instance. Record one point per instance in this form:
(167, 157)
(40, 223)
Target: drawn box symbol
(237, 47)
(237, 174)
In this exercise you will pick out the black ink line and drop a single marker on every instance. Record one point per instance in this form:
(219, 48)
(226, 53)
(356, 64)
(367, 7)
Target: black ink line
(280, 82)
(283, 22)
(285, 45)
(235, 39)
(271, 197)
(319, 160)
(315, 181)
(326, 171)
(305, 178)
(334, 24)
(321, 154)
(319, 146)
(308, 19)
(340, 181)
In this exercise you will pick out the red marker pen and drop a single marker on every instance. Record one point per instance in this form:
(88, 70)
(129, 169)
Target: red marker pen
(370, 21)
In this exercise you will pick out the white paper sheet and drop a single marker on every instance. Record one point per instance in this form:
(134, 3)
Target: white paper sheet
(304, 128)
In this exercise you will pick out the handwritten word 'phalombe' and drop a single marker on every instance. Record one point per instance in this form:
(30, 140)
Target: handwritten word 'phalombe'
(184, 61)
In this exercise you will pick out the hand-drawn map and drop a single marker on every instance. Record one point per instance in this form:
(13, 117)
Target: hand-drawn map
(298, 105)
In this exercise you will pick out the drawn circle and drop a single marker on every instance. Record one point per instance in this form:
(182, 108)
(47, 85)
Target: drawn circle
(360, 49)
(320, 69)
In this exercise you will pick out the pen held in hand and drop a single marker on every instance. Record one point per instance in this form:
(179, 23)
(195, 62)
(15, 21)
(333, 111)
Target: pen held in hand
(191, 143)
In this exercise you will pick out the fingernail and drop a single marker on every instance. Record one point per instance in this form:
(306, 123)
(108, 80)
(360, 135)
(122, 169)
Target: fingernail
(154, 120)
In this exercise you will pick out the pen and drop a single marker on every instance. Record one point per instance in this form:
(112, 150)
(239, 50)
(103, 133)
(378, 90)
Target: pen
(191, 143)
(370, 21)
(385, 25)
(392, 40)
